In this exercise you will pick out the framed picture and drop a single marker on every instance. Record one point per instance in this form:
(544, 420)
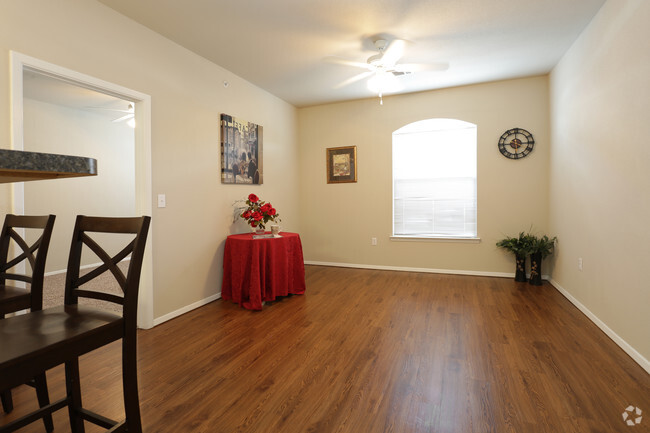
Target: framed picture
(342, 164)
(241, 151)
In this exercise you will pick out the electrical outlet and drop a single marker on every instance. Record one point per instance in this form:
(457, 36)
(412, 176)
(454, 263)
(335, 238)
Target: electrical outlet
(580, 263)
(373, 241)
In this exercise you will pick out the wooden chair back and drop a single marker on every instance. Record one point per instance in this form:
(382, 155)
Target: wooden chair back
(82, 236)
(33, 254)
(41, 340)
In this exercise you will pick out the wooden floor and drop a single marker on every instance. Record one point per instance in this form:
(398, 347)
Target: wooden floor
(374, 351)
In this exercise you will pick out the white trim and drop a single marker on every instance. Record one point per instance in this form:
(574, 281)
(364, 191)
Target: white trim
(16, 127)
(408, 269)
(399, 238)
(20, 61)
(144, 206)
(92, 265)
(185, 309)
(51, 273)
(63, 271)
(143, 189)
(636, 356)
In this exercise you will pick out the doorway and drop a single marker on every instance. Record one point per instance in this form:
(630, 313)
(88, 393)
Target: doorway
(129, 163)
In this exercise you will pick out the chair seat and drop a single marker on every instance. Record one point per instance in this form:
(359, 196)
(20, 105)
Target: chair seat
(32, 343)
(14, 299)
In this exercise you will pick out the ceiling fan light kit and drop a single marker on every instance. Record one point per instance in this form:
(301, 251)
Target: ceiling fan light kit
(384, 82)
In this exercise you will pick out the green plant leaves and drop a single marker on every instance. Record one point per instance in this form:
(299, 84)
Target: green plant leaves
(527, 243)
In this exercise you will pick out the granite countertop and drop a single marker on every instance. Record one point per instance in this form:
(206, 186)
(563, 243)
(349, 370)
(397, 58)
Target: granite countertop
(21, 166)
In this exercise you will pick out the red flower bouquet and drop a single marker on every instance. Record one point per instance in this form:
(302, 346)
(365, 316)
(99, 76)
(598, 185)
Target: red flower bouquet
(258, 212)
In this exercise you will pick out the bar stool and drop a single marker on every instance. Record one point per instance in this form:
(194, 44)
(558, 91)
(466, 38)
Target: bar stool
(14, 298)
(40, 340)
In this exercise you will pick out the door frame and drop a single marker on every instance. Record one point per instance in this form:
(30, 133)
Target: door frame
(143, 188)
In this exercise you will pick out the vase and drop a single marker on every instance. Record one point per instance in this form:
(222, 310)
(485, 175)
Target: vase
(536, 269)
(258, 230)
(520, 270)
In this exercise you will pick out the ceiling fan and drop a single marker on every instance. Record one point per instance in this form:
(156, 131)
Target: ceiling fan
(383, 68)
(130, 113)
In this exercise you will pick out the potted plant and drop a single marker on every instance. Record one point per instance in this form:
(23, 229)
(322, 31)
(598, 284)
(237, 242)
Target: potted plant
(540, 248)
(520, 247)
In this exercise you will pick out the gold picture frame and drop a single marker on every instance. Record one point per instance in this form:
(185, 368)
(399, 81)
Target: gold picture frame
(342, 164)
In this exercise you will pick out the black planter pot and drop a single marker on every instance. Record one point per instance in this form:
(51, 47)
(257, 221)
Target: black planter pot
(520, 270)
(536, 269)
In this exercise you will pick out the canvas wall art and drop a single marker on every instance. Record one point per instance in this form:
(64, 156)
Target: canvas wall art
(241, 151)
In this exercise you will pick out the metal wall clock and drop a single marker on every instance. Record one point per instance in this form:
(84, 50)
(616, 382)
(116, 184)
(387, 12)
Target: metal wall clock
(516, 143)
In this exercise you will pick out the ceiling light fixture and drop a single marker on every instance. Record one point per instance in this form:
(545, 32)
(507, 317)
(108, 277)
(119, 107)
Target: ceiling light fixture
(382, 69)
(384, 82)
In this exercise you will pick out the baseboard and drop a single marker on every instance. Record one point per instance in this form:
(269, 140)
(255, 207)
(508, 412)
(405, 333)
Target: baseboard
(92, 265)
(157, 321)
(408, 269)
(160, 319)
(636, 356)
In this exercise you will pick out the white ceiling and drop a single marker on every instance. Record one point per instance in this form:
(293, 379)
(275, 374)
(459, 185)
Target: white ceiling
(280, 45)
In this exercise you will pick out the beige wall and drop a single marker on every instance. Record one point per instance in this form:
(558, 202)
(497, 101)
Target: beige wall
(57, 129)
(187, 96)
(339, 220)
(599, 190)
(586, 181)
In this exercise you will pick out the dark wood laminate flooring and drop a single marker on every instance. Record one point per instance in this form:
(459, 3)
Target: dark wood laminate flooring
(374, 351)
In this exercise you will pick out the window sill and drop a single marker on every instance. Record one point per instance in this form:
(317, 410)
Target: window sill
(435, 239)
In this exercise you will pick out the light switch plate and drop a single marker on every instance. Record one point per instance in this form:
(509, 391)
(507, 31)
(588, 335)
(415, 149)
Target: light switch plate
(162, 200)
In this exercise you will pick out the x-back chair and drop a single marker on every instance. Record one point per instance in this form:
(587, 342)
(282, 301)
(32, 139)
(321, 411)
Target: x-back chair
(41, 340)
(13, 297)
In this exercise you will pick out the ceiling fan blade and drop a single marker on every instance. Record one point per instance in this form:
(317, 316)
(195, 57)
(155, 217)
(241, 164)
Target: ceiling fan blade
(393, 53)
(354, 79)
(120, 119)
(339, 61)
(110, 109)
(419, 67)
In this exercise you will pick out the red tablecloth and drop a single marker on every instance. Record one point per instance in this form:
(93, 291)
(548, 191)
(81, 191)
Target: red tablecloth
(257, 270)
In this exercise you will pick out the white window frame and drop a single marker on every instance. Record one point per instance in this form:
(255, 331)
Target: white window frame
(423, 126)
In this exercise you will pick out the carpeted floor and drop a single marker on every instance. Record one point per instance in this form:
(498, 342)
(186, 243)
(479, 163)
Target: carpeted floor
(54, 285)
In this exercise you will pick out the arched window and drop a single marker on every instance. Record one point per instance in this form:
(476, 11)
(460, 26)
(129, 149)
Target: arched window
(434, 179)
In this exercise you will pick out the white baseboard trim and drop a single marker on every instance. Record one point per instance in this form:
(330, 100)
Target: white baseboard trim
(160, 319)
(408, 269)
(636, 356)
(49, 274)
(92, 265)
(185, 309)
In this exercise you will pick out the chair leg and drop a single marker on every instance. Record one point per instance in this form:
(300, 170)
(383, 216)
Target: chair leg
(5, 396)
(40, 383)
(73, 389)
(7, 401)
(130, 386)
